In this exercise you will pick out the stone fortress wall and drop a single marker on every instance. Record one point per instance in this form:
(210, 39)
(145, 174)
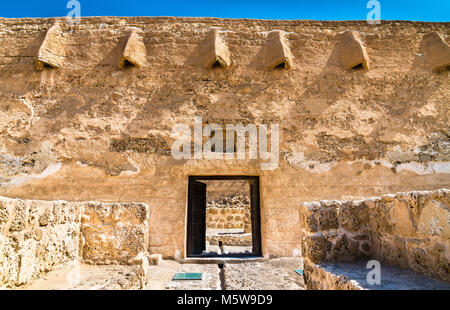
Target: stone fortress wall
(86, 112)
(408, 230)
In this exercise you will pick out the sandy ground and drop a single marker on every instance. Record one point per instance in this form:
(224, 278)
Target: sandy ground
(161, 275)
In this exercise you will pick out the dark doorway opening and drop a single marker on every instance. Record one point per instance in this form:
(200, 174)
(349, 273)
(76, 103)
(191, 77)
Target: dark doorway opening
(198, 244)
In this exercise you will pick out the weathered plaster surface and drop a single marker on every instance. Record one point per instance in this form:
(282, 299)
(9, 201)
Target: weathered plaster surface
(344, 134)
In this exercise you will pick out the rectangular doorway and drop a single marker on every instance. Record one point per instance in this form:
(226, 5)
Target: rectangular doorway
(223, 216)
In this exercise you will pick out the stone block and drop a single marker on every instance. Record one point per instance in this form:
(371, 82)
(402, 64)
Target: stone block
(135, 52)
(308, 218)
(316, 247)
(328, 218)
(114, 233)
(155, 259)
(353, 216)
(437, 52)
(215, 51)
(5, 212)
(52, 51)
(434, 219)
(352, 52)
(346, 249)
(20, 216)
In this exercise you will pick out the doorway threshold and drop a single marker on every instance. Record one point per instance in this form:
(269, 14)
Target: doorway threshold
(223, 259)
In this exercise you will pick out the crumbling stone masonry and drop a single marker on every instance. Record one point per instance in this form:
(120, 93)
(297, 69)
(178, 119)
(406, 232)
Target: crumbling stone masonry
(409, 230)
(229, 221)
(36, 237)
(114, 233)
(229, 213)
(40, 236)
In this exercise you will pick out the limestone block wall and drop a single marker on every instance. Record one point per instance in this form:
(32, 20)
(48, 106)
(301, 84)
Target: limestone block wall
(409, 230)
(39, 236)
(229, 213)
(335, 231)
(217, 190)
(114, 233)
(36, 237)
(412, 230)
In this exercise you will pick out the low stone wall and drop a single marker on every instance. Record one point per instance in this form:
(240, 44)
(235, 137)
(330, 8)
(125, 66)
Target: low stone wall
(317, 278)
(114, 233)
(37, 237)
(230, 239)
(335, 231)
(412, 230)
(409, 230)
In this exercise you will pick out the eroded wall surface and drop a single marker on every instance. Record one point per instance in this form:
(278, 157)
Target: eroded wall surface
(37, 237)
(409, 230)
(228, 205)
(114, 233)
(317, 278)
(94, 130)
(229, 213)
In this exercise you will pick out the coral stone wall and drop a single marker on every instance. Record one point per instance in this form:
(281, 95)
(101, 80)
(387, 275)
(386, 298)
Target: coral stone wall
(86, 128)
(114, 233)
(36, 237)
(229, 213)
(217, 190)
(409, 230)
(335, 231)
(39, 236)
(412, 230)
(317, 278)
(230, 239)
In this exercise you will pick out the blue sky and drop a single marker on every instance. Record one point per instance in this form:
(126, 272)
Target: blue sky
(417, 10)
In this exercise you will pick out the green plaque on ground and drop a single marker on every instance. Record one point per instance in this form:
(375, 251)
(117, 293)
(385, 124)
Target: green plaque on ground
(187, 276)
(299, 271)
